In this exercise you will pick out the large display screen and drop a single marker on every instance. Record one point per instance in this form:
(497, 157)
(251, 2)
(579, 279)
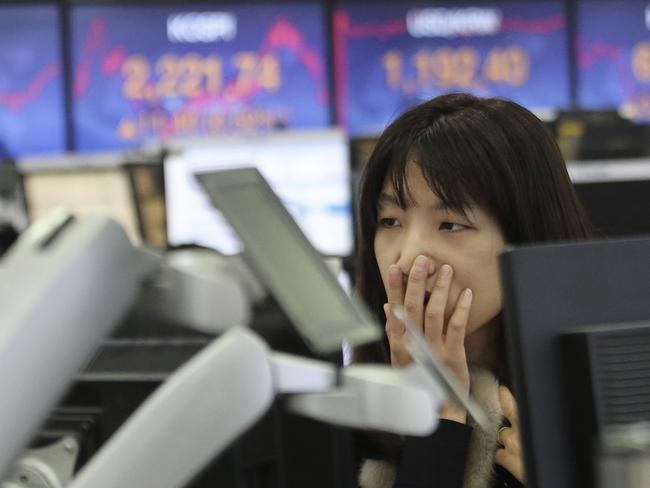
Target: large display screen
(31, 81)
(390, 55)
(613, 43)
(309, 171)
(153, 72)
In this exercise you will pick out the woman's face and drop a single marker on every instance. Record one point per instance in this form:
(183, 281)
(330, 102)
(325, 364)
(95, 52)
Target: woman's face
(469, 245)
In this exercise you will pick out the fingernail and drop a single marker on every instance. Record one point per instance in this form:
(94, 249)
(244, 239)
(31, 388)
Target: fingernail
(386, 309)
(422, 263)
(467, 296)
(445, 271)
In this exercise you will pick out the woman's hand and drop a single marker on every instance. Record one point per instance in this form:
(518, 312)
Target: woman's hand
(510, 455)
(447, 341)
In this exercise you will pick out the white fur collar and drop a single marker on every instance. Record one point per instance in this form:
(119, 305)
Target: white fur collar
(480, 458)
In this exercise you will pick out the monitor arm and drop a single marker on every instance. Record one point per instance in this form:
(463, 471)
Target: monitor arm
(64, 286)
(65, 273)
(223, 390)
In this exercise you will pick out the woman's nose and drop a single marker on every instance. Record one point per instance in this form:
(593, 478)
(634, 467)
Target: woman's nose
(406, 264)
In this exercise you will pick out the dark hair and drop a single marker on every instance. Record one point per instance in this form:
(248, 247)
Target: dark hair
(484, 151)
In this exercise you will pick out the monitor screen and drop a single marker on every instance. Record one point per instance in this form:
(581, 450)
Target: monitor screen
(31, 81)
(613, 54)
(147, 72)
(81, 190)
(615, 194)
(287, 264)
(392, 55)
(310, 172)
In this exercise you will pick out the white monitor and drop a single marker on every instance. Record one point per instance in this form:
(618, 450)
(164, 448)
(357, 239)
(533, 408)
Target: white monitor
(309, 170)
(290, 268)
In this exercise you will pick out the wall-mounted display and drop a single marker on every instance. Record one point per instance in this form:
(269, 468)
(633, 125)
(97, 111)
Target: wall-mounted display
(391, 55)
(154, 72)
(613, 56)
(31, 80)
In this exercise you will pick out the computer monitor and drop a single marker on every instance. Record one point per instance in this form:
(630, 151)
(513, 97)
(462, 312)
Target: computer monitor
(309, 170)
(549, 290)
(32, 110)
(586, 135)
(148, 186)
(13, 217)
(81, 188)
(147, 70)
(615, 194)
(611, 42)
(391, 55)
(283, 259)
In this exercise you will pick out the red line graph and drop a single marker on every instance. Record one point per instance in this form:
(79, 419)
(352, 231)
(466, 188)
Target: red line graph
(341, 28)
(281, 35)
(534, 26)
(96, 45)
(18, 99)
(377, 30)
(590, 53)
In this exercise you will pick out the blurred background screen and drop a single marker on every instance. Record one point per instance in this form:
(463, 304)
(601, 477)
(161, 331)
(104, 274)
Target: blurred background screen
(613, 56)
(310, 172)
(32, 118)
(392, 55)
(144, 72)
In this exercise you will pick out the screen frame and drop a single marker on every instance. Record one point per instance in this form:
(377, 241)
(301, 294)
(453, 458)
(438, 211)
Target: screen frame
(549, 289)
(358, 329)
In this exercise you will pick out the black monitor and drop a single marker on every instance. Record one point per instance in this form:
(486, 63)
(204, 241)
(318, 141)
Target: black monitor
(600, 134)
(551, 293)
(615, 194)
(12, 203)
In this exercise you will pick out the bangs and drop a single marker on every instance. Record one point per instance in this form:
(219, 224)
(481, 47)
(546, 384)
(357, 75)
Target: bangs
(450, 174)
(470, 153)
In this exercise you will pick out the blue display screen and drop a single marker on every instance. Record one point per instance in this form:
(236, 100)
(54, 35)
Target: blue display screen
(154, 72)
(613, 53)
(389, 56)
(31, 81)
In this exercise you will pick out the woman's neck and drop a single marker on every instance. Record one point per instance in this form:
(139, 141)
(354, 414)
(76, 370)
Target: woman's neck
(482, 346)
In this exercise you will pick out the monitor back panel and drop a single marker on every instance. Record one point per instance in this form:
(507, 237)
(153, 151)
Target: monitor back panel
(548, 290)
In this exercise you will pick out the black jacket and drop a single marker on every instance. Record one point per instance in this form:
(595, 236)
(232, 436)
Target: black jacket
(438, 461)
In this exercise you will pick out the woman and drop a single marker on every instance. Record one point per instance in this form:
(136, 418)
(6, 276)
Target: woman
(449, 183)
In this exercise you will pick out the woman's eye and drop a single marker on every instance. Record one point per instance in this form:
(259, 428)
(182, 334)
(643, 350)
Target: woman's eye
(389, 222)
(452, 227)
